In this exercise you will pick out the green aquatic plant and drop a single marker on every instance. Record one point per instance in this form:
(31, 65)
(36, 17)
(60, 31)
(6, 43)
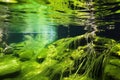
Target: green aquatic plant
(30, 47)
(85, 57)
(82, 63)
(65, 59)
(9, 65)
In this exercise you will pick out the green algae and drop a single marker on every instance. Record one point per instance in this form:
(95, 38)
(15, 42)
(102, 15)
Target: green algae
(9, 65)
(64, 60)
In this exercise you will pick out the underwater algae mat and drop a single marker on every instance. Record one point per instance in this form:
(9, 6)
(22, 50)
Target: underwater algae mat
(65, 59)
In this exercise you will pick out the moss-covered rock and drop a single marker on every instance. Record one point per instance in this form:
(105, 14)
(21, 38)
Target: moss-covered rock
(29, 69)
(9, 65)
(112, 72)
(73, 51)
(66, 59)
(8, 50)
(26, 55)
(112, 67)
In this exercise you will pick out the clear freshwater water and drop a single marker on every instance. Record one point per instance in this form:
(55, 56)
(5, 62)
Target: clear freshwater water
(29, 17)
(34, 24)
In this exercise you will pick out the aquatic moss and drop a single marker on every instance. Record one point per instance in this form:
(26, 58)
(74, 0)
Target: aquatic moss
(9, 65)
(67, 59)
(112, 72)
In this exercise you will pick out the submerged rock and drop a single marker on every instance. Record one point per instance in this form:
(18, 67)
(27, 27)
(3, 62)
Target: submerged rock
(65, 59)
(112, 72)
(8, 50)
(112, 68)
(26, 55)
(9, 65)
